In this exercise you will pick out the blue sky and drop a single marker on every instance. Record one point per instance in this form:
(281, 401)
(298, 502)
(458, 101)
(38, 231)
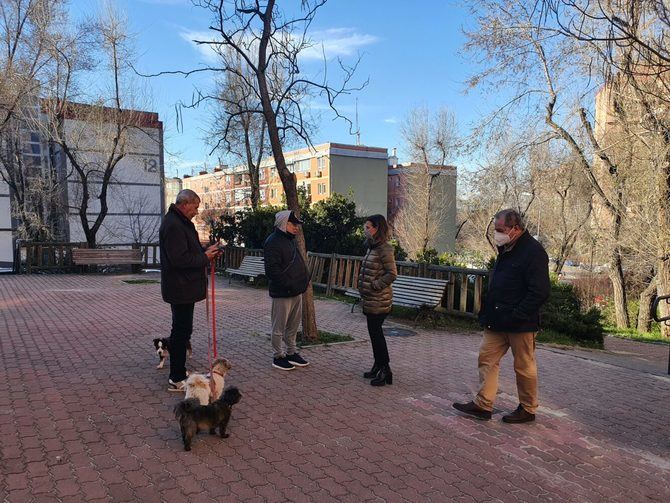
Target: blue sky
(410, 56)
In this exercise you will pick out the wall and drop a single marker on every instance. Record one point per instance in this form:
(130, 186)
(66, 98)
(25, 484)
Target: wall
(6, 241)
(134, 196)
(366, 178)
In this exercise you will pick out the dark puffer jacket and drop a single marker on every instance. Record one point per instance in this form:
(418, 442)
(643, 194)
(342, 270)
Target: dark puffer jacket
(377, 273)
(183, 260)
(518, 286)
(284, 267)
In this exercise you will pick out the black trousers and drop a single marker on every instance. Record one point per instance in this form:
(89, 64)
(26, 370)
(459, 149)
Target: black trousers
(182, 328)
(379, 349)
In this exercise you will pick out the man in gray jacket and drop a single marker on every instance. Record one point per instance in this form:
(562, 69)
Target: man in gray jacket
(287, 281)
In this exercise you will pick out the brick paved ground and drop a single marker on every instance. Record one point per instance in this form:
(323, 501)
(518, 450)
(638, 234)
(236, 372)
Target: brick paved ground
(84, 414)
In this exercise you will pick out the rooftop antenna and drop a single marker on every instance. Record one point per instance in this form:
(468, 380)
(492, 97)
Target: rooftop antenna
(358, 129)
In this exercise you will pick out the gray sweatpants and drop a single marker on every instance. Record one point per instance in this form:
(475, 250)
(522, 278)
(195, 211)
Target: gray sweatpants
(286, 317)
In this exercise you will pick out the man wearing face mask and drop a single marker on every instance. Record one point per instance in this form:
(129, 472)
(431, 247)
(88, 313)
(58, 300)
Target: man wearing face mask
(518, 286)
(287, 281)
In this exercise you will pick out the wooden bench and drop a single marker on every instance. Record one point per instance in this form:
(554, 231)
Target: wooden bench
(101, 256)
(410, 291)
(251, 267)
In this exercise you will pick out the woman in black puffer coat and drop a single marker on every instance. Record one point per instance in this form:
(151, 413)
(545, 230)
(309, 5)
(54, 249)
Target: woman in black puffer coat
(377, 273)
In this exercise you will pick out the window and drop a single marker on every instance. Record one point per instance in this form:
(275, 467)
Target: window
(261, 174)
(302, 166)
(307, 187)
(397, 181)
(262, 194)
(239, 195)
(321, 188)
(321, 163)
(273, 193)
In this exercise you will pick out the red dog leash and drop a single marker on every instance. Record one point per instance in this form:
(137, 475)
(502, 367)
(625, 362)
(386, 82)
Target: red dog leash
(211, 332)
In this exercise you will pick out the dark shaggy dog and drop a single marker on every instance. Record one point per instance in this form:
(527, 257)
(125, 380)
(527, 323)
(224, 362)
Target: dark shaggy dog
(162, 346)
(194, 417)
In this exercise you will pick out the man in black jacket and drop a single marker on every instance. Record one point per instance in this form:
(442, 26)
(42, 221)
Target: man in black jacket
(287, 281)
(183, 277)
(518, 286)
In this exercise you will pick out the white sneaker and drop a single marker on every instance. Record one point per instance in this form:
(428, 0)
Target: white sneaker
(176, 386)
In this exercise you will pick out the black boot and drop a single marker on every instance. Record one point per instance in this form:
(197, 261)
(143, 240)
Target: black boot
(373, 371)
(385, 376)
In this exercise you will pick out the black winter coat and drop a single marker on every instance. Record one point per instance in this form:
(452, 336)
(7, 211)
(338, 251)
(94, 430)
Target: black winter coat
(183, 260)
(284, 267)
(518, 286)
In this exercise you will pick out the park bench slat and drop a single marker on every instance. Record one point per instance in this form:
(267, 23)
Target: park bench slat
(410, 291)
(251, 267)
(96, 256)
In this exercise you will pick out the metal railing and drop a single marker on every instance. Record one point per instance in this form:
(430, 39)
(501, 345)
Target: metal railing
(662, 318)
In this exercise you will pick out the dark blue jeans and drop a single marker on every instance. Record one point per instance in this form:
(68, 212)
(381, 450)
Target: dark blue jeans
(379, 349)
(182, 328)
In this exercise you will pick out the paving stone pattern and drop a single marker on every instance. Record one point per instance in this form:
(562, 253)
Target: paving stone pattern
(85, 415)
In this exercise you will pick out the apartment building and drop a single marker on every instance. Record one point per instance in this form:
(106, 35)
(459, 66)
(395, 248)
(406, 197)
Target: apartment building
(134, 194)
(322, 171)
(401, 192)
(171, 187)
(7, 227)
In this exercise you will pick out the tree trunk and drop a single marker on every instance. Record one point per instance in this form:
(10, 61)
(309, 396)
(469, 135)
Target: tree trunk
(615, 273)
(663, 222)
(252, 169)
(646, 299)
(309, 330)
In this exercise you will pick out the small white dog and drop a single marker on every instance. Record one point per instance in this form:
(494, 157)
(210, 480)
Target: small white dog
(198, 386)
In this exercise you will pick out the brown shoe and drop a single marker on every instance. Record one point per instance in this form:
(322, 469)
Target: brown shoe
(520, 415)
(473, 409)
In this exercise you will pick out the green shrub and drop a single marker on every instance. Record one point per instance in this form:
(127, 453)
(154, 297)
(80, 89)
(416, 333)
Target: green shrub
(562, 313)
(608, 318)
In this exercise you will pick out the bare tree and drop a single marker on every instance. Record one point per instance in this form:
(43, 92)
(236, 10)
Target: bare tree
(428, 208)
(629, 38)
(96, 137)
(238, 131)
(29, 32)
(269, 45)
(524, 53)
(504, 178)
(564, 203)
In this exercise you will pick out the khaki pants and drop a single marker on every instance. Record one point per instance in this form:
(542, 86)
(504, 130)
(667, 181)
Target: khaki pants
(493, 348)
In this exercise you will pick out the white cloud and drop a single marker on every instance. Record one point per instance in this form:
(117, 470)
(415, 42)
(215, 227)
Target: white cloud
(391, 120)
(337, 42)
(334, 42)
(206, 51)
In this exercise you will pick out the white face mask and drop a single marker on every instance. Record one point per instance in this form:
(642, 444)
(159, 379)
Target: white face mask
(500, 238)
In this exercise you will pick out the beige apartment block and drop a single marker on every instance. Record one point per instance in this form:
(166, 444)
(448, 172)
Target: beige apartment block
(171, 187)
(322, 170)
(403, 193)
